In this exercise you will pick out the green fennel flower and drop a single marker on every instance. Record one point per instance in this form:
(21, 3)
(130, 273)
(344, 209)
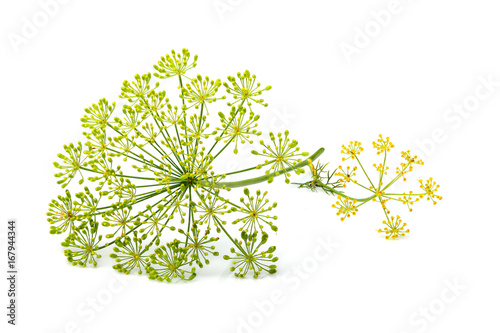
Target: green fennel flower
(83, 244)
(129, 255)
(155, 195)
(247, 257)
(283, 153)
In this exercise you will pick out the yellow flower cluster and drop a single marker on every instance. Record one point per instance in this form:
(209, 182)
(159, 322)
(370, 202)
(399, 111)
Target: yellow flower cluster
(382, 145)
(377, 186)
(346, 176)
(394, 228)
(352, 150)
(381, 168)
(345, 207)
(430, 187)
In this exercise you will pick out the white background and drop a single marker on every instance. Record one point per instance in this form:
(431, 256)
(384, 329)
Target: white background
(428, 58)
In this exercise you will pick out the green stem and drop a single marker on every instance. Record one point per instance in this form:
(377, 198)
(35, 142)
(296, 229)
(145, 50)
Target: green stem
(387, 216)
(216, 195)
(191, 216)
(219, 222)
(222, 133)
(331, 189)
(199, 130)
(133, 158)
(223, 148)
(178, 195)
(248, 169)
(364, 171)
(154, 157)
(382, 171)
(124, 176)
(396, 178)
(265, 178)
(185, 122)
(402, 194)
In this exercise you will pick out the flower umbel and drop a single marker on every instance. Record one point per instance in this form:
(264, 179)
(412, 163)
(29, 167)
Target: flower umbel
(377, 187)
(245, 89)
(247, 256)
(430, 187)
(345, 207)
(394, 228)
(256, 211)
(82, 244)
(155, 196)
(283, 154)
(129, 255)
(354, 148)
(382, 145)
(175, 64)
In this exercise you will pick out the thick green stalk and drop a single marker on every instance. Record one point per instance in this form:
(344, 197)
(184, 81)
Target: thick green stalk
(265, 178)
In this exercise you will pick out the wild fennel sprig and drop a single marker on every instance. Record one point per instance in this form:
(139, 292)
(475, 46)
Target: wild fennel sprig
(377, 187)
(155, 198)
